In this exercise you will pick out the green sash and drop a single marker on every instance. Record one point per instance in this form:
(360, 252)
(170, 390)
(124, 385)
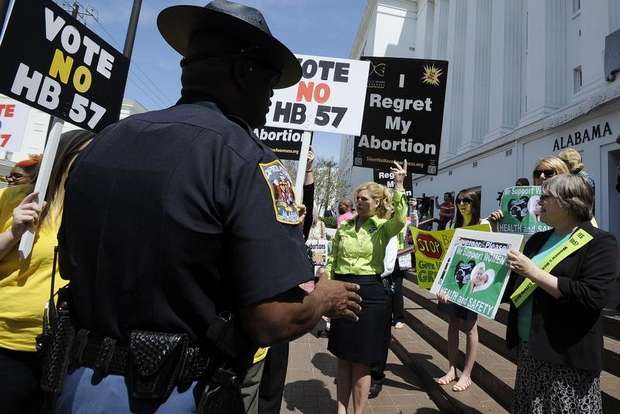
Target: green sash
(576, 241)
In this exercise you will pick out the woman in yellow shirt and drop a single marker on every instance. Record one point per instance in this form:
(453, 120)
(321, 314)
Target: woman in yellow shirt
(25, 284)
(358, 250)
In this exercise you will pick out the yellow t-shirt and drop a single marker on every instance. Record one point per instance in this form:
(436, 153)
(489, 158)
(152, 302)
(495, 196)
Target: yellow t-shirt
(24, 287)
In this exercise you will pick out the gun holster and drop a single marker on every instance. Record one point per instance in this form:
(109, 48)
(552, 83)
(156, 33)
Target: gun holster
(221, 393)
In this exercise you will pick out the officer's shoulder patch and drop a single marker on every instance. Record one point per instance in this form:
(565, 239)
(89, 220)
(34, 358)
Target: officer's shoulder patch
(282, 193)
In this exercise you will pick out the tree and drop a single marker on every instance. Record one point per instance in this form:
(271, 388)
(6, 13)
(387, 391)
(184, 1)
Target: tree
(327, 183)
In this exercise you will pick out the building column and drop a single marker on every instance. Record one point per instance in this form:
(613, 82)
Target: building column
(506, 67)
(440, 32)
(453, 113)
(425, 32)
(546, 71)
(477, 74)
(614, 15)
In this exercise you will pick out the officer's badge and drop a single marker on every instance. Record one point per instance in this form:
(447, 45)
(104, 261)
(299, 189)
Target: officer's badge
(282, 193)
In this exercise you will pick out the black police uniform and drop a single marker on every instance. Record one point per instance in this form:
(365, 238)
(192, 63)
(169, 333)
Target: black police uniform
(169, 219)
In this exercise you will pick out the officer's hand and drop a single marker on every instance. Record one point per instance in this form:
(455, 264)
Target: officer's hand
(340, 298)
(26, 215)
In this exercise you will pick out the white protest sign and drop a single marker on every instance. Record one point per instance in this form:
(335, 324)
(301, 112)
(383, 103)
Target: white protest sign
(329, 97)
(13, 117)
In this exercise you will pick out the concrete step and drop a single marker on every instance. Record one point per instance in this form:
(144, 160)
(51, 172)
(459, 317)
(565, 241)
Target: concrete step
(491, 372)
(491, 334)
(428, 363)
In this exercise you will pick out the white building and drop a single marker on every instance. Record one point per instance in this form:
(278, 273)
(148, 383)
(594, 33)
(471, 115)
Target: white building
(526, 79)
(32, 132)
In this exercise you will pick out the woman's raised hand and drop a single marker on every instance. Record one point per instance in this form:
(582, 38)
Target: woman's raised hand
(400, 172)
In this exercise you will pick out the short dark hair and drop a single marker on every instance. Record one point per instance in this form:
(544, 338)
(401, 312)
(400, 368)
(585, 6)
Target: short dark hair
(522, 182)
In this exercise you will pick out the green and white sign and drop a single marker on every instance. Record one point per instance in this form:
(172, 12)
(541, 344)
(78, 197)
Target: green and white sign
(521, 211)
(474, 272)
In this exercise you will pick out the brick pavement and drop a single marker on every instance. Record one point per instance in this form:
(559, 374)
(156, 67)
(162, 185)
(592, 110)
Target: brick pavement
(310, 387)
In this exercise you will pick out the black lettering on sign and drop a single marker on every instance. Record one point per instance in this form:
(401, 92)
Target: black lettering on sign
(56, 64)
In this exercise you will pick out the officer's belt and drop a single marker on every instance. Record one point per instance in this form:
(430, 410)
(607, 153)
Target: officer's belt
(107, 356)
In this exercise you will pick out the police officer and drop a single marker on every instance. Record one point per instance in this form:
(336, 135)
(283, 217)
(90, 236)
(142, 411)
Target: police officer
(180, 239)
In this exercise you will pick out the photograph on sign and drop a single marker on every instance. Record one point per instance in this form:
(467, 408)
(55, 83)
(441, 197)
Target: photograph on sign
(285, 143)
(54, 63)
(387, 179)
(328, 98)
(13, 118)
(521, 211)
(430, 249)
(474, 272)
(403, 114)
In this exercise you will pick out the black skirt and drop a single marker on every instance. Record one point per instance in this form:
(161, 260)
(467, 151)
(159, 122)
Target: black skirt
(363, 341)
(452, 310)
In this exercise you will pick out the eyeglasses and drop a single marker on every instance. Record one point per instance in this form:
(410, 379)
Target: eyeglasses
(548, 173)
(545, 197)
(464, 201)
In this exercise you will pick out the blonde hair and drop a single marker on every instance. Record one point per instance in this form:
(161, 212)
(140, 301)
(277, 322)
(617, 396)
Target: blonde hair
(381, 194)
(554, 163)
(572, 158)
(573, 194)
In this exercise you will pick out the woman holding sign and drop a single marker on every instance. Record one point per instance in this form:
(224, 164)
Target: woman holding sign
(467, 214)
(25, 284)
(358, 251)
(564, 274)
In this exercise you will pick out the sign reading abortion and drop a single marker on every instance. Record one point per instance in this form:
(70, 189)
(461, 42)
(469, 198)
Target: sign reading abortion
(54, 63)
(387, 179)
(403, 115)
(328, 98)
(13, 117)
(285, 143)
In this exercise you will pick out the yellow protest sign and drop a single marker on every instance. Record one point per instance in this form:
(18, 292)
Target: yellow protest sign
(430, 248)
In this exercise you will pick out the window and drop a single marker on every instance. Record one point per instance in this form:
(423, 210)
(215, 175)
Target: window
(576, 6)
(577, 79)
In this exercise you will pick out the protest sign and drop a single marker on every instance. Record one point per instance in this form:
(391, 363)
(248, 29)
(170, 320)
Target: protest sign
(430, 250)
(474, 273)
(13, 117)
(521, 211)
(328, 98)
(403, 114)
(387, 179)
(319, 251)
(54, 63)
(285, 143)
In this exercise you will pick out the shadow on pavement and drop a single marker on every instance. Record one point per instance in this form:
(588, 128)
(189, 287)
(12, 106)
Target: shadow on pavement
(308, 396)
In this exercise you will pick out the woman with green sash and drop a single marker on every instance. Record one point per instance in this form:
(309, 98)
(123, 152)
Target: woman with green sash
(560, 284)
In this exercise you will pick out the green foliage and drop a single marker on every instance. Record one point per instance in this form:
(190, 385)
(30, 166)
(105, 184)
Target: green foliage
(330, 222)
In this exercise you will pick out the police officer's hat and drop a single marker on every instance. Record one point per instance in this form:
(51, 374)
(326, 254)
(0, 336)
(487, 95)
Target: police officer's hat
(178, 24)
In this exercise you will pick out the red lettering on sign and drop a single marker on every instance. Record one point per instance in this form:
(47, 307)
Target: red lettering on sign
(429, 246)
(308, 92)
(7, 110)
(5, 139)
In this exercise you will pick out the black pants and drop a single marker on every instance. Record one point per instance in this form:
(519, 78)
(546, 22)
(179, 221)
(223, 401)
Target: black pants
(19, 382)
(274, 377)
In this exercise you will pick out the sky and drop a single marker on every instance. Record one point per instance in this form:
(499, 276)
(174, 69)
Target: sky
(311, 27)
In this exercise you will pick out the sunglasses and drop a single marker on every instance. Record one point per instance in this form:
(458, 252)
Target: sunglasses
(464, 201)
(548, 173)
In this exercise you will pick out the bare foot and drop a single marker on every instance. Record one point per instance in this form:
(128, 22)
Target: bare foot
(462, 384)
(447, 379)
